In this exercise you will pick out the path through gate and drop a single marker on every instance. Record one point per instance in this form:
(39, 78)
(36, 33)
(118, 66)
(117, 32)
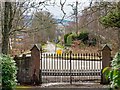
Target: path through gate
(71, 68)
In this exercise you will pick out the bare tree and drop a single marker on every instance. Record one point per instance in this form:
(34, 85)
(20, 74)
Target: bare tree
(14, 18)
(14, 15)
(90, 19)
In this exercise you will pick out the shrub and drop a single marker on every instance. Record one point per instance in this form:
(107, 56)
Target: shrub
(94, 41)
(65, 37)
(74, 36)
(70, 38)
(9, 72)
(113, 73)
(83, 36)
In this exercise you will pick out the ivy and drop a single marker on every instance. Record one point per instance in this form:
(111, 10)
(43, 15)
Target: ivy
(113, 73)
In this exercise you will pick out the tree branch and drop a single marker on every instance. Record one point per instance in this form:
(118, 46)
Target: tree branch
(62, 9)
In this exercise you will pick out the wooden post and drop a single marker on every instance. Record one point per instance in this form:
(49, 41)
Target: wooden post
(106, 58)
(70, 68)
(35, 62)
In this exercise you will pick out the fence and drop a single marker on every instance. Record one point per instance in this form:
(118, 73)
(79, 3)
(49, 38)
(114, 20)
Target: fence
(63, 67)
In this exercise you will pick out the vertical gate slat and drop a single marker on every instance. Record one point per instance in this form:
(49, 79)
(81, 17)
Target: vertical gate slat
(94, 66)
(89, 65)
(86, 66)
(46, 66)
(79, 66)
(73, 65)
(54, 66)
(60, 66)
(100, 56)
(60, 60)
(49, 64)
(65, 66)
(57, 67)
(97, 65)
(65, 60)
(76, 66)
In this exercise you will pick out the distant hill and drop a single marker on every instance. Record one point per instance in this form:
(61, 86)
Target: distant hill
(65, 22)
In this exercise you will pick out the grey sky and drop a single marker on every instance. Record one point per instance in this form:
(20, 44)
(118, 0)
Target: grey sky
(68, 9)
(56, 10)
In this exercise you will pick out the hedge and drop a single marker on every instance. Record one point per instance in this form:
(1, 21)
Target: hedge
(9, 71)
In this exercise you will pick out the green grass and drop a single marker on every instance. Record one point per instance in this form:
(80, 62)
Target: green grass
(44, 46)
(23, 87)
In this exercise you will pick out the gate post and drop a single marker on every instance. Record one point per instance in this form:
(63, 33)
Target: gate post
(106, 58)
(70, 68)
(40, 73)
(35, 64)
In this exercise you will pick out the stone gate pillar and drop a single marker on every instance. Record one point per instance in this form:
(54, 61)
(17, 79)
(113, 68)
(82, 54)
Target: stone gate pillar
(106, 58)
(35, 64)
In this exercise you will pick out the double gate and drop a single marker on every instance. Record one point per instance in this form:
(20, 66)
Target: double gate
(71, 68)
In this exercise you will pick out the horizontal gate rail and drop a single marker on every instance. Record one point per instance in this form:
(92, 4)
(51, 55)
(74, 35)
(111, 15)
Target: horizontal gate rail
(86, 57)
(67, 73)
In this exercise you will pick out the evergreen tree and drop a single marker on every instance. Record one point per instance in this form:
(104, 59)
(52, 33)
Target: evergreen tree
(112, 19)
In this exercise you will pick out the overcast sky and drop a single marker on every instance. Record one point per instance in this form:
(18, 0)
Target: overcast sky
(56, 11)
(68, 9)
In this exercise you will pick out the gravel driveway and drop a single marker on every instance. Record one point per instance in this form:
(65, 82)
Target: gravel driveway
(74, 85)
